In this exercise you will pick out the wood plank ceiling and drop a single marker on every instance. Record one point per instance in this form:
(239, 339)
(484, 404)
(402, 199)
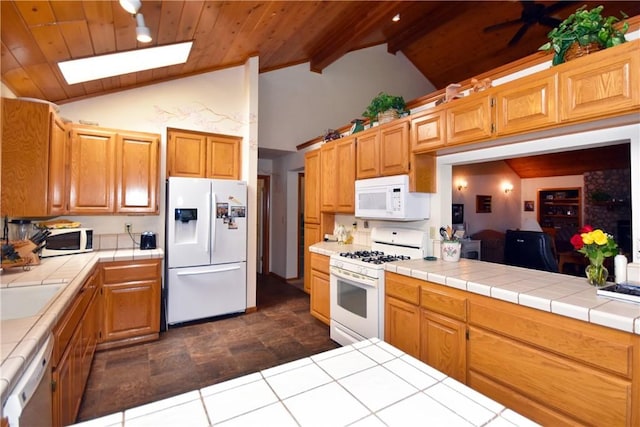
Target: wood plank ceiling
(443, 39)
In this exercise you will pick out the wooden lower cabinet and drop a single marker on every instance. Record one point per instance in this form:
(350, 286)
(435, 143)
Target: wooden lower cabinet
(443, 344)
(131, 302)
(319, 282)
(75, 337)
(402, 325)
(552, 369)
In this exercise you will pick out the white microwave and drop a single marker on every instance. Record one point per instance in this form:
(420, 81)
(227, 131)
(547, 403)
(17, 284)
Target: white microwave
(67, 241)
(388, 198)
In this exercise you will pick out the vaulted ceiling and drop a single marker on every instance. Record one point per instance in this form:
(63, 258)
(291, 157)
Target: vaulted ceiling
(445, 40)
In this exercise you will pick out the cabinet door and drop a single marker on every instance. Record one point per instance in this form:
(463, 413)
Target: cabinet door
(469, 120)
(137, 177)
(67, 391)
(443, 344)
(320, 296)
(58, 166)
(223, 157)
(24, 160)
(603, 87)
(186, 154)
(402, 325)
(530, 105)
(131, 309)
(312, 187)
(312, 234)
(394, 148)
(329, 177)
(427, 131)
(93, 167)
(346, 174)
(368, 154)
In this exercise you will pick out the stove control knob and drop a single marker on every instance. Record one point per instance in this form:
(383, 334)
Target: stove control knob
(339, 264)
(363, 270)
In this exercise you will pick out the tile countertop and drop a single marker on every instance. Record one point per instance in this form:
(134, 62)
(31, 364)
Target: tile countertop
(370, 383)
(20, 339)
(561, 294)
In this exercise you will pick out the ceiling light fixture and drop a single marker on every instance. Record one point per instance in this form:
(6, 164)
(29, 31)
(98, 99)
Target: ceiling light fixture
(131, 6)
(115, 64)
(396, 18)
(143, 33)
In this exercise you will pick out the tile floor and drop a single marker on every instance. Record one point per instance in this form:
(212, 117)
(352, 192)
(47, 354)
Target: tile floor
(195, 356)
(369, 383)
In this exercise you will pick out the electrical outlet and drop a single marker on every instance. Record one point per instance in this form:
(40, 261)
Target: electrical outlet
(432, 232)
(128, 228)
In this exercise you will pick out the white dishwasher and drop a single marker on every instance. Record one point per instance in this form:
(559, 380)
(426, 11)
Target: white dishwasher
(30, 402)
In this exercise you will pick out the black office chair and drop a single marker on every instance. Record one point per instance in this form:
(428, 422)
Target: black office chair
(530, 249)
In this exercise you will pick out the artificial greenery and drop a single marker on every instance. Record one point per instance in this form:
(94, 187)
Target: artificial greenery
(585, 27)
(382, 103)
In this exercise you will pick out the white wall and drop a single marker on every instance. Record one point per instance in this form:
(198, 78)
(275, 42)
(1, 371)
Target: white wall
(486, 179)
(297, 105)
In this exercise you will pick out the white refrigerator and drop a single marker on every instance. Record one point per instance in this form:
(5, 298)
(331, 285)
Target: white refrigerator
(206, 248)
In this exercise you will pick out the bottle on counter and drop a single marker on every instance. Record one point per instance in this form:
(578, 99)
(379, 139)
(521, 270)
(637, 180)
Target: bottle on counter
(620, 268)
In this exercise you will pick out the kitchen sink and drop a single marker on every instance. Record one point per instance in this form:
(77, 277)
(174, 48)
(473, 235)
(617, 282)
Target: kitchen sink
(24, 301)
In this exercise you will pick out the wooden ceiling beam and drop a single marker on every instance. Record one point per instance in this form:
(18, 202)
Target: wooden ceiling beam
(344, 36)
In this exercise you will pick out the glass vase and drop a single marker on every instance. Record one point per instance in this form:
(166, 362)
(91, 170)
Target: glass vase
(597, 274)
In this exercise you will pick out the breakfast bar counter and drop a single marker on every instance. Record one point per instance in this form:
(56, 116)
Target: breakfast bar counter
(369, 383)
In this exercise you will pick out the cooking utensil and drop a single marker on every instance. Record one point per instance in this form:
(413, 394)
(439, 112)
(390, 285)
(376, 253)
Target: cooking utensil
(443, 233)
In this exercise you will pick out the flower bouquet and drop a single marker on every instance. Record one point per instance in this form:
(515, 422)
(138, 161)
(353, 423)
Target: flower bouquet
(595, 245)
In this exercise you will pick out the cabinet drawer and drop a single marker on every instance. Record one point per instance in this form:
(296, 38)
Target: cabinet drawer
(128, 271)
(403, 288)
(602, 347)
(444, 301)
(320, 263)
(584, 393)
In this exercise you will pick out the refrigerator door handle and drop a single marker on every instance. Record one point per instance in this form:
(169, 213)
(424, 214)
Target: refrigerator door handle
(219, 270)
(214, 221)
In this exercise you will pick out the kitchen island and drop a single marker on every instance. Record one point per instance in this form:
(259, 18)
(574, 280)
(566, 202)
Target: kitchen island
(370, 383)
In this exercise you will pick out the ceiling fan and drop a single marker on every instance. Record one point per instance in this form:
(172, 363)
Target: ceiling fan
(532, 13)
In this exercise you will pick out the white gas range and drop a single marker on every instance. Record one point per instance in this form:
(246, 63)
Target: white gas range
(357, 283)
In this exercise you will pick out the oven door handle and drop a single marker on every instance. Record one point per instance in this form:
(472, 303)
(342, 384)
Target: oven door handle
(356, 279)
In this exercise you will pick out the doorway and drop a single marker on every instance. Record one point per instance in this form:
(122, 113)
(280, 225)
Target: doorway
(264, 203)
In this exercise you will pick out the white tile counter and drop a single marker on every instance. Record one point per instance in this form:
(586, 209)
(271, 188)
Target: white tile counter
(369, 383)
(21, 338)
(561, 294)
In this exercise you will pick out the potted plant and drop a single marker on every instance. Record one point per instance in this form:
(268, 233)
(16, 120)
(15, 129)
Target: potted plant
(383, 103)
(582, 32)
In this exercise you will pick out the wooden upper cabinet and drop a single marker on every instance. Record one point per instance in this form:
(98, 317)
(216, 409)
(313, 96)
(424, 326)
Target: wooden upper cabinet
(604, 87)
(394, 147)
(223, 157)
(137, 175)
(58, 167)
(346, 174)
(338, 172)
(368, 154)
(531, 104)
(329, 177)
(33, 182)
(186, 154)
(428, 130)
(470, 119)
(93, 166)
(202, 155)
(312, 187)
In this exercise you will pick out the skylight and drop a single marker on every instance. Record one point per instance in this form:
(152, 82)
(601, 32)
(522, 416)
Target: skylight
(115, 64)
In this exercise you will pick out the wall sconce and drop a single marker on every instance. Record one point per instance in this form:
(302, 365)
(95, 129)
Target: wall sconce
(462, 184)
(507, 187)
